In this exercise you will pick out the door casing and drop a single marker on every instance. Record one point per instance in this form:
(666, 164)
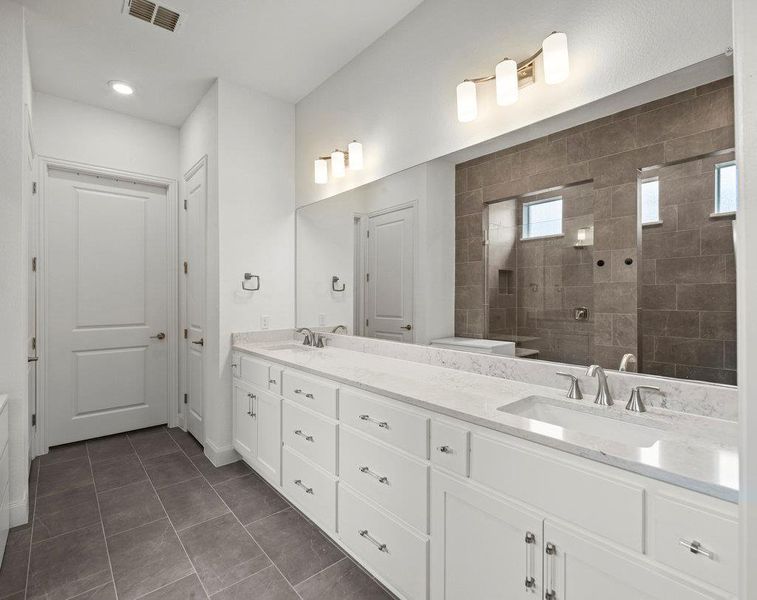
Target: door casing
(172, 329)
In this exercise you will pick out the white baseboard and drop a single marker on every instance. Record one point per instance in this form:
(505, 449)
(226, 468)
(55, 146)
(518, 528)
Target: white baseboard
(220, 455)
(19, 511)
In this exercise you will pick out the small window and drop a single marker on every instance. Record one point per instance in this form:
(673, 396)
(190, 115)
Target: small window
(650, 201)
(542, 218)
(726, 188)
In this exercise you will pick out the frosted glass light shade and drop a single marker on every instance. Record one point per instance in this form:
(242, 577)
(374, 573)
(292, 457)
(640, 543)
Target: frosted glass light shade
(556, 60)
(506, 74)
(337, 163)
(467, 107)
(355, 150)
(321, 171)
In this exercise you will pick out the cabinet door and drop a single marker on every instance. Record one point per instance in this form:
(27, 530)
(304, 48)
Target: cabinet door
(578, 566)
(482, 546)
(268, 420)
(244, 429)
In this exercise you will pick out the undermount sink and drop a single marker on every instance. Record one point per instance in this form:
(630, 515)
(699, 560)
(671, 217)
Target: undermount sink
(559, 415)
(292, 346)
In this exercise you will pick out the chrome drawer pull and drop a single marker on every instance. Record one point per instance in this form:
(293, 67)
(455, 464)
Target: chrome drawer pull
(530, 542)
(251, 412)
(308, 438)
(382, 547)
(445, 450)
(299, 391)
(549, 572)
(380, 478)
(273, 381)
(308, 490)
(697, 548)
(370, 419)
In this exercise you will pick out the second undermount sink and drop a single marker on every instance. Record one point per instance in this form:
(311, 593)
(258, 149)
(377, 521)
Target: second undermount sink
(559, 415)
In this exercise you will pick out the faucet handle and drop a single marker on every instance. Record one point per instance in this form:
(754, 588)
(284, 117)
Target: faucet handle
(635, 403)
(574, 392)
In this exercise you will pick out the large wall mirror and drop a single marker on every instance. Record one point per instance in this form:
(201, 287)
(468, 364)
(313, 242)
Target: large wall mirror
(609, 243)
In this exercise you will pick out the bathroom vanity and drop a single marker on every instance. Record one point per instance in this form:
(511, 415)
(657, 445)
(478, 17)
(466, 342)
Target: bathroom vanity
(447, 484)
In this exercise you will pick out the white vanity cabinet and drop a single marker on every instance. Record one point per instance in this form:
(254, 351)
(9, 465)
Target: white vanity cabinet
(441, 509)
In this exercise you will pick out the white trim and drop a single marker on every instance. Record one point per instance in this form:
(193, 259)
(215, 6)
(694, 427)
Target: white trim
(220, 455)
(45, 163)
(19, 510)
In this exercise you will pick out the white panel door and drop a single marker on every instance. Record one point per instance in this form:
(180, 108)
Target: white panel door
(482, 546)
(577, 566)
(30, 188)
(268, 418)
(244, 426)
(389, 276)
(196, 194)
(106, 293)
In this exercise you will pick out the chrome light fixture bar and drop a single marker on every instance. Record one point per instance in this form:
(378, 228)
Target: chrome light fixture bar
(510, 76)
(340, 159)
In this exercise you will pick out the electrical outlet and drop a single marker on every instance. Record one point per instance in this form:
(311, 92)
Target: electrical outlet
(265, 321)
(321, 319)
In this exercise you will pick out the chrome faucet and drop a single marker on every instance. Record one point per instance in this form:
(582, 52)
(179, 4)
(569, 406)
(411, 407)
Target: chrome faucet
(338, 327)
(574, 392)
(603, 397)
(635, 403)
(628, 359)
(309, 336)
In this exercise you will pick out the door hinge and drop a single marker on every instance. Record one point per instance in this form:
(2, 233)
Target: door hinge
(34, 343)
(34, 187)
(366, 322)
(185, 334)
(368, 233)
(367, 276)
(34, 264)
(185, 398)
(185, 204)
(34, 420)
(186, 267)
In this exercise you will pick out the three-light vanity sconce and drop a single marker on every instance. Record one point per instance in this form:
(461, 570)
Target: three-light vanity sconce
(353, 157)
(510, 75)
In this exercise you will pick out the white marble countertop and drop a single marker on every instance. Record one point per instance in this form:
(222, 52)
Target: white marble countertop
(694, 452)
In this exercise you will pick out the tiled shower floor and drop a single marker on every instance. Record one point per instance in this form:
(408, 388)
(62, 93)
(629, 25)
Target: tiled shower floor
(146, 515)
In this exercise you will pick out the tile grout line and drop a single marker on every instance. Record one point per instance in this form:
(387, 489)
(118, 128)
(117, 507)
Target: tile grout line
(252, 538)
(31, 533)
(102, 524)
(176, 533)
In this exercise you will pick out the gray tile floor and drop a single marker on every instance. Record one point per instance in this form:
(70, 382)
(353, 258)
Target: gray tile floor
(146, 515)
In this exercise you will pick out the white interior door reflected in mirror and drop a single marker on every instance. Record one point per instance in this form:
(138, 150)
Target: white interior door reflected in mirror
(389, 276)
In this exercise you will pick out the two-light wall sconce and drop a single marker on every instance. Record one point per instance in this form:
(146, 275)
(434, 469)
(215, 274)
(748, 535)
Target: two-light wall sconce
(510, 75)
(353, 157)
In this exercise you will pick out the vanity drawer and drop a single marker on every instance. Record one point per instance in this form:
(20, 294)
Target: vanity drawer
(450, 447)
(393, 480)
(310, 488)
(315, 393)
(311, 435)
(591, 499)
(383, 420)
(390, 549)
(675, 522)
(254, 371)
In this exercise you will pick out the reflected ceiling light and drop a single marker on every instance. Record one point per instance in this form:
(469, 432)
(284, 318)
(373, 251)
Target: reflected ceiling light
(321, 170)
(556, 60)
(339, 161)
(121, 87)
(511, 75)
(355, 152)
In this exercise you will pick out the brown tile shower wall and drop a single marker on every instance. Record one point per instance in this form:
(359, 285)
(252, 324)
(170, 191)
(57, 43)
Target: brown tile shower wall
(608, 151)
(689, 279)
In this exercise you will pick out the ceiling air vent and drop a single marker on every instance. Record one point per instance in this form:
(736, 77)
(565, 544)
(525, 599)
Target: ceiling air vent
(158, 15)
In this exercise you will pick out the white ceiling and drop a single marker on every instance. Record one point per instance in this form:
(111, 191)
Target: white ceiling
(285, 48)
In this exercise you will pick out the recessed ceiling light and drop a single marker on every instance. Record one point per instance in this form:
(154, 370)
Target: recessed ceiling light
(121, 87)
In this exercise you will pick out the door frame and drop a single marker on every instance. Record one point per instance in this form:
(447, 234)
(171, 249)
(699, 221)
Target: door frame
(362, 249)
(181, 419)
(172, 279)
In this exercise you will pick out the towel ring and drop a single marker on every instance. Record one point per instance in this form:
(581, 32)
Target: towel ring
(334, 281)
(247, 277)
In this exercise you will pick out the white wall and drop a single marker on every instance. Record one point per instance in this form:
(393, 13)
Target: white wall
(82, 133)
(326, 247)
(398, 96)
(14, 266)
(745, 80)
(248, 138)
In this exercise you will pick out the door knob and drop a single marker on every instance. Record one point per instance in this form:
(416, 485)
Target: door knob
(160, 336)
(200, 342)
(32, 358)
(408, 327)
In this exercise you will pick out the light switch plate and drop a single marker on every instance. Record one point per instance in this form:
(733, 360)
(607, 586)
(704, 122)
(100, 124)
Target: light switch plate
(265, 321)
